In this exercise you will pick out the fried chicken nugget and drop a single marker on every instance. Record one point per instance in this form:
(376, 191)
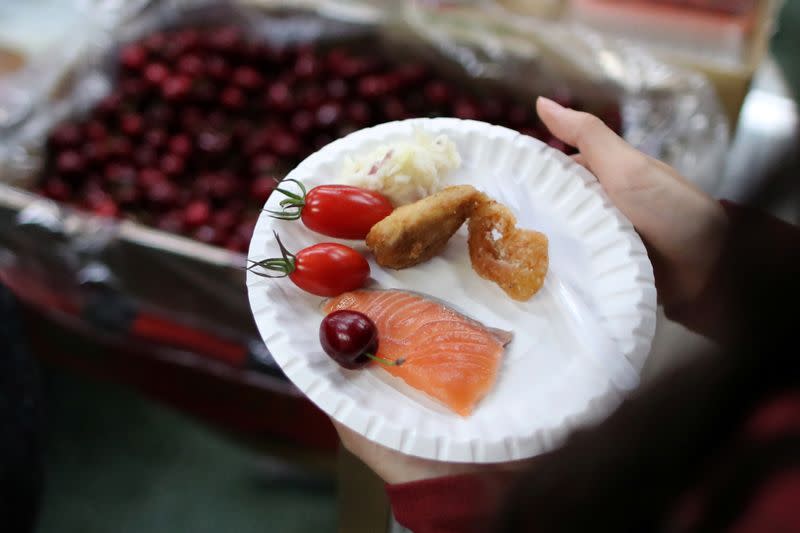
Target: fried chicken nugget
(414, 233)
(516, 259)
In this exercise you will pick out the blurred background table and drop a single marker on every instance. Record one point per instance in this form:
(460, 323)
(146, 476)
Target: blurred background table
(767, 133)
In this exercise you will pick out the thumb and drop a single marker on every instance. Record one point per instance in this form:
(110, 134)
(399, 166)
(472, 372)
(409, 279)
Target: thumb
(603, 151)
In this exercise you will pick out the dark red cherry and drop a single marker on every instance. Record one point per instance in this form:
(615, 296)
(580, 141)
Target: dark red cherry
(347, 337)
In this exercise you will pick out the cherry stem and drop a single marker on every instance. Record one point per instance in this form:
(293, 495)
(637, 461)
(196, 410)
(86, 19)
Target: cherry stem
(284, 265)
(292, 205)
(384, 361)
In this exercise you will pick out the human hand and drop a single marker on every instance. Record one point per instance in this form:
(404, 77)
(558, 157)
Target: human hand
(396, 467)
(682, 227)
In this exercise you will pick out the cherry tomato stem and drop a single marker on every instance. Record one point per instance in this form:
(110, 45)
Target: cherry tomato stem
(292, 205)
(284, 265)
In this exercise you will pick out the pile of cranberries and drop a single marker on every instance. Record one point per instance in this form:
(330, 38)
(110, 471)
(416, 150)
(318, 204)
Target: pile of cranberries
(200, 123)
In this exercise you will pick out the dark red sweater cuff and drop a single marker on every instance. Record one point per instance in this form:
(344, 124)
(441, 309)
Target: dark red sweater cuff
(756, 245)
(457, 504)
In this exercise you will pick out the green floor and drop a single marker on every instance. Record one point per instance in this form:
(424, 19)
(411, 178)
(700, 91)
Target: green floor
(786, 43)
(117, 462)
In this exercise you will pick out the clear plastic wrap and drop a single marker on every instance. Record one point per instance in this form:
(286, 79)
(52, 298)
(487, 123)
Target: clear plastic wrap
(125, 279)
(670, 113)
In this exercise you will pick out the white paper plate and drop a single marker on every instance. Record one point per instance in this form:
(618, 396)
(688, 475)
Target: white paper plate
(575, 343)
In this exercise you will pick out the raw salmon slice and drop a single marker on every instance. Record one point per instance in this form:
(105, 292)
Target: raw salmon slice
(448, 356)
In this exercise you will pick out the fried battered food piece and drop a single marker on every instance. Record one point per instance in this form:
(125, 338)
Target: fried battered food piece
(414, 233)
(516, 259)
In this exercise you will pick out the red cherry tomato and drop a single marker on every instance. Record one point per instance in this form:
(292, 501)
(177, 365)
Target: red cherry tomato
(329, 269)
(339, 211)
(344, 212)
(324, 269)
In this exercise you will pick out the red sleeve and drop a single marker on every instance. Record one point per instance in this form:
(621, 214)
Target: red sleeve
(458, 504)
(774, 507)
(757, 243)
